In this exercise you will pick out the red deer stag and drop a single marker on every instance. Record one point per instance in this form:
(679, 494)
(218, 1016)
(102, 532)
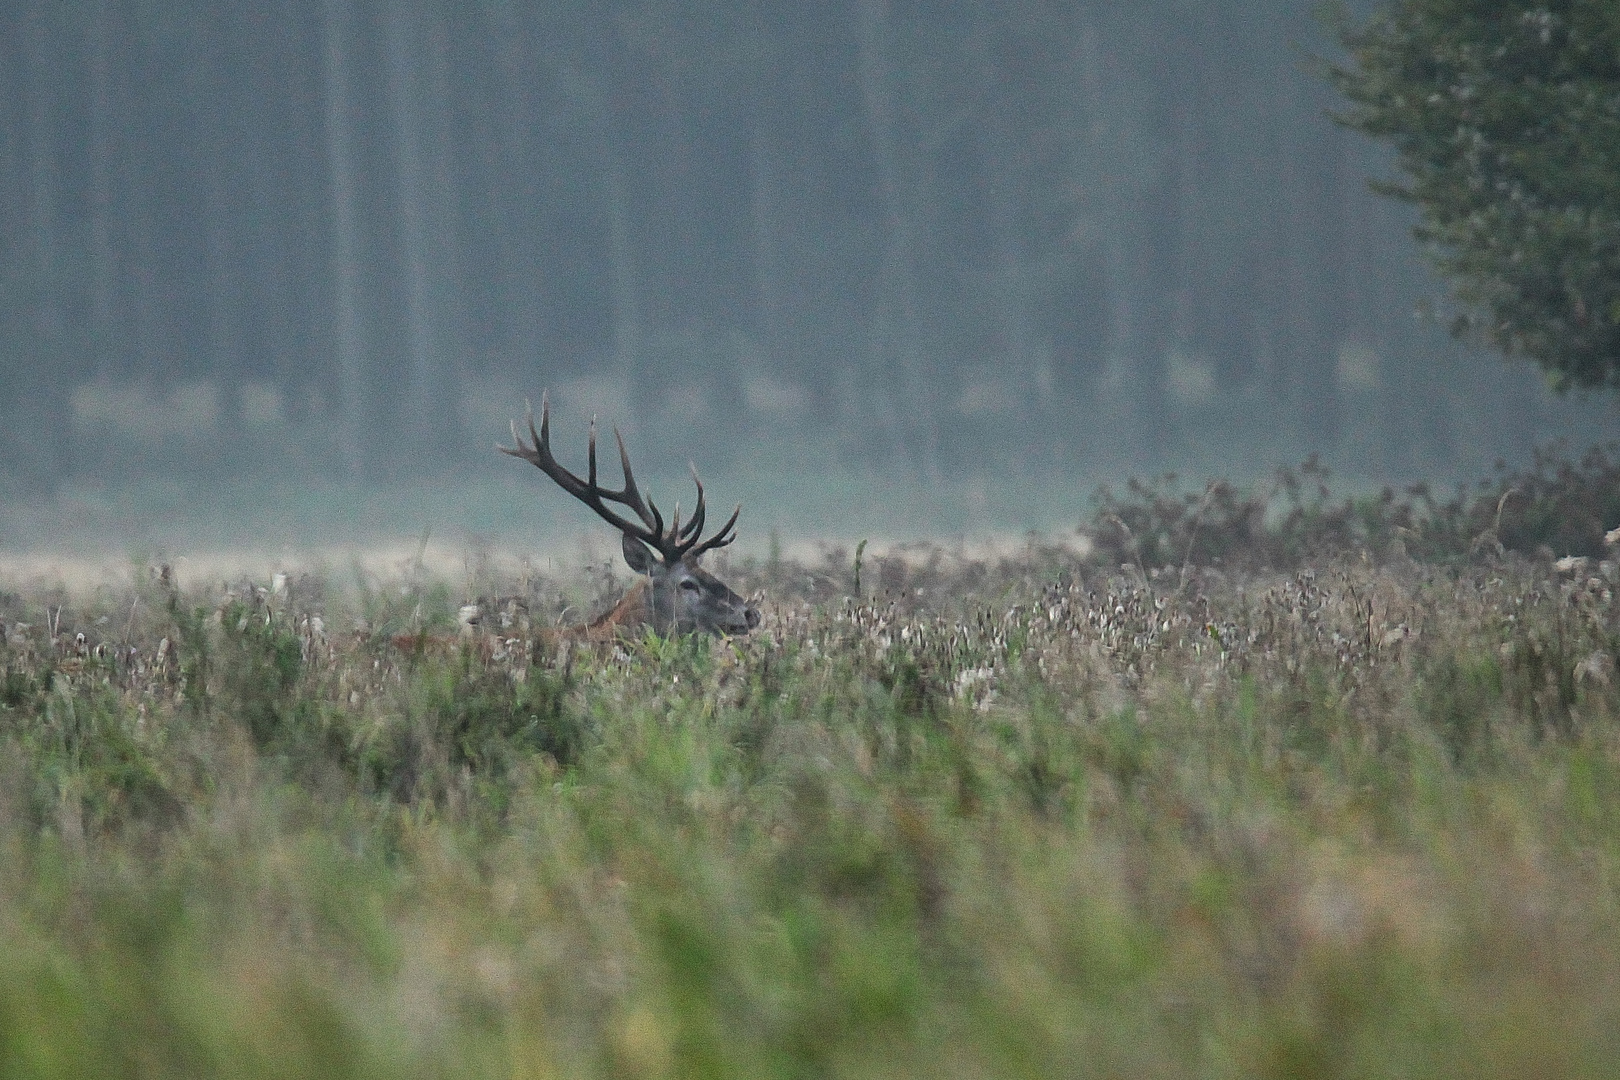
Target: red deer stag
(674, 593)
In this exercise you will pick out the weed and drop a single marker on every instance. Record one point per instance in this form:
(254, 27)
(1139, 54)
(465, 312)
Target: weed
(1355, 817)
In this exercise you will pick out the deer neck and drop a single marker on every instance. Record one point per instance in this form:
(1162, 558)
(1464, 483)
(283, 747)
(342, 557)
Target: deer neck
(634, 610)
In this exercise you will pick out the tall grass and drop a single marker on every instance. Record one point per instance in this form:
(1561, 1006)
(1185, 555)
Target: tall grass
(1023, 819)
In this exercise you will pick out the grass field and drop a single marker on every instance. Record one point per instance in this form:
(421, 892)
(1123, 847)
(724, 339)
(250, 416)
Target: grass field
(1026, 816)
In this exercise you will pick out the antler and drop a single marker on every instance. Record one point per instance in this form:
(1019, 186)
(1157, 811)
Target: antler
(672, 544)
(694, 528)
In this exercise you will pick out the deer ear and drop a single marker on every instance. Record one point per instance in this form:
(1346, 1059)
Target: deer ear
(637, 555)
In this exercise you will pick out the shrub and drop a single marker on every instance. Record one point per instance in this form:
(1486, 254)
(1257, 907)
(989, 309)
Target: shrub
(1557, 506)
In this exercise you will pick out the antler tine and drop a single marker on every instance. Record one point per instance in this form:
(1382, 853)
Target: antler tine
(658, 524)
(675, 523)
(542, 451)
(592, 454)
(724, 536)
(517, 449)
(721, 538)
(694, 528)
(632, 494)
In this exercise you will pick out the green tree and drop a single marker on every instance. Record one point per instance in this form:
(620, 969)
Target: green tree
(1505, 117)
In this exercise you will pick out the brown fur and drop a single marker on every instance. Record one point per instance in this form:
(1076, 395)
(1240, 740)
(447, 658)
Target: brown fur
(422, 643)
(630, 614)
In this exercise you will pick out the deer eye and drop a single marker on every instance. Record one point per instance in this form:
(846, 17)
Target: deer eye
(689, 585)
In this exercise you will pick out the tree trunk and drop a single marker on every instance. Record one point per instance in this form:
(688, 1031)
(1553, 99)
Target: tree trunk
(1130, 250)
(103, 329)
(43, 419)
(422, 347)
(767, 261)
(621, 253)
(1322, 243)
(895, 347)
(345, 253)
(451, 365)
(209, 109)
(1014, 271)
(615, 192)
(514, 192)
(1313, 284)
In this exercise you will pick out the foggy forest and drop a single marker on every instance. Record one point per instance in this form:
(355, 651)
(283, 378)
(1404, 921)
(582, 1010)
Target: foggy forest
(1042, 244)
(1174, 623)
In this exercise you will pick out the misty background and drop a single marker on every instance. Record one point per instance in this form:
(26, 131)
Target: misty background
(277, 270)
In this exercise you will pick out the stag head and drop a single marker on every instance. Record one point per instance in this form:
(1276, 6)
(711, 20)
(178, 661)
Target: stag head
(681, 596)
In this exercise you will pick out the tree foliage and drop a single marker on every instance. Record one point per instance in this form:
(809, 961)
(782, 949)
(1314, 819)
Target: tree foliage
(1505, 117)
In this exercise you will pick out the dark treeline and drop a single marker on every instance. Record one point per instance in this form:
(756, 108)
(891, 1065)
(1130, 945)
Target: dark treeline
(360, 232)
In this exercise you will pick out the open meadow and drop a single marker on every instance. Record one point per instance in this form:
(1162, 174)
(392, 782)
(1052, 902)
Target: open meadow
(1348, 812)
(363, 716)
